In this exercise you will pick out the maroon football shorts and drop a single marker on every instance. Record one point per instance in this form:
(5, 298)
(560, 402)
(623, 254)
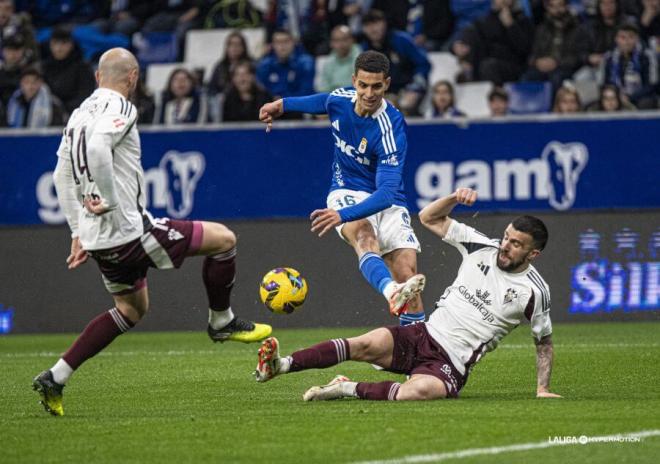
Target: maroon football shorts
(416, 352)
(165, 246)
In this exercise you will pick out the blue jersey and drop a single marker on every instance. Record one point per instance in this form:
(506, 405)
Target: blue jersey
(369, 152)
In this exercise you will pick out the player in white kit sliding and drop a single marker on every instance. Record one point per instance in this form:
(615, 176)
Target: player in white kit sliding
(100, 187)
(495, 289)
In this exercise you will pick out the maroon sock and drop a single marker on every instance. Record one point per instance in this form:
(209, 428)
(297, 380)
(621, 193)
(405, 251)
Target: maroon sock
(377, 391)
(98, 334)
(218, 274)
(324, 354)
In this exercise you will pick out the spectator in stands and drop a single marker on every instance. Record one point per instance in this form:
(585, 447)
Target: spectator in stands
(409, 66)
(633, 68)
(437, 24)
(354, 10)
(554, 54)
(177, 16)
(236, 51)
(596, 36)
(52, 12)
(649, 20)
(126, 16)
(498, 102)
(305, 20)
(68, 76)
(33, 105)
(182, 101)
(567, 100)
(286, 71)
(609, 100)
(15, 60)
(145, 103)
(244, 96)
(467, 12)
(495, 47)
(443, 105)
(12, 24)
(338, 68)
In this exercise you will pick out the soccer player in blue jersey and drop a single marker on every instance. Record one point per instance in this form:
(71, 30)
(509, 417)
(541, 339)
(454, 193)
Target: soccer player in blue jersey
(366, 203)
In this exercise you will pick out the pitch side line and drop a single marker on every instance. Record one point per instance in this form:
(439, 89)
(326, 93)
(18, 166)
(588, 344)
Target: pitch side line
(471, 452)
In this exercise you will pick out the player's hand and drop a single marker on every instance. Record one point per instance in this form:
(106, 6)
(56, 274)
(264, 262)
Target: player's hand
(271, 111)
(324, 220)
(546, 394)
(78, 256)
(466, 196)
(95, 206)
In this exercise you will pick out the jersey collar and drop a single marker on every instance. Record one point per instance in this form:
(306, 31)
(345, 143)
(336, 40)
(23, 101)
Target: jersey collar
(379, 111)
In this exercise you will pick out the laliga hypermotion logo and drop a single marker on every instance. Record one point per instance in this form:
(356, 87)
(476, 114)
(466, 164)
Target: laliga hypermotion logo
(565, 163)
(175, 181)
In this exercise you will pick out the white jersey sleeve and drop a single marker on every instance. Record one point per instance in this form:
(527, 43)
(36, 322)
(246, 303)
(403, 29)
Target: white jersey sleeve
(467, 239)
(538, 306)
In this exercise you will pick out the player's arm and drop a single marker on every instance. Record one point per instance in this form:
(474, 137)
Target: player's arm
(100, 161)
(435, 216)
(387, 183)
(312, 104)
(541, 326)
(67, 197)
(544, 356)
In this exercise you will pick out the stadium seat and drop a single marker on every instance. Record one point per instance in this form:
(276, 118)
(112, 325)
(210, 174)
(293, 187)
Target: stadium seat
(587, 90)
(156, 47)
(205, 47)
(529, 97)
(472, 98)
(444, 66)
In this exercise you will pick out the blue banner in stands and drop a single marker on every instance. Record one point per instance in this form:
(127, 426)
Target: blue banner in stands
(245, 173)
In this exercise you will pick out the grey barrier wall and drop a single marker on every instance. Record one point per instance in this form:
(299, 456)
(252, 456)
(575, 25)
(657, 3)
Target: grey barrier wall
(600, 267)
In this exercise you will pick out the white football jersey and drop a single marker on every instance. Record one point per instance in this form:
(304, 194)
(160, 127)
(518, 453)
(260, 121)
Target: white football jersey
(484, 303)
(102, 145)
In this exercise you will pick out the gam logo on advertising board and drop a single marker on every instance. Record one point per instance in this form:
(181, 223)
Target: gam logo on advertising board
(553, 177)
(170, 186)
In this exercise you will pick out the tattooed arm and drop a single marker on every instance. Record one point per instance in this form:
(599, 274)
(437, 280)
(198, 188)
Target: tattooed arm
(544, 354)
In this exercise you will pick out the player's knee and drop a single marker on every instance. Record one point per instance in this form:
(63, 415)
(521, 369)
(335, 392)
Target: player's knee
(223, 238)
(366, 239)
(134, 312)
(360, 348)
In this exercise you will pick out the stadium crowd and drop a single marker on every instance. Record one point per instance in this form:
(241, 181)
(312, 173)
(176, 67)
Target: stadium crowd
(50, 50)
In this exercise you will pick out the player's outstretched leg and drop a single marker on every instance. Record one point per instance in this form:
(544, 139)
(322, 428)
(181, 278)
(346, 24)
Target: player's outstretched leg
(403, 263)
(219, 272)
(98, 334)
(418, 387)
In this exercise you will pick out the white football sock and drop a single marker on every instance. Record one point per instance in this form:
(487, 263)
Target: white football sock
(349, 388)
(219, 319)
(61, 372)
(284, 365)
(389, 289)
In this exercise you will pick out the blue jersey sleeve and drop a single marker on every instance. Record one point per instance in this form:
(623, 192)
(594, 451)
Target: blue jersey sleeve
(389, 173)
(313, 104)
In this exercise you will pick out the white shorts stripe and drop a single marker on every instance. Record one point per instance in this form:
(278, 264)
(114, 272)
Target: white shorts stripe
(156, 252)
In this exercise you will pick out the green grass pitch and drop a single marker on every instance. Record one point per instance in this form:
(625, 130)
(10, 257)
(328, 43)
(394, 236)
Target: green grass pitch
(175, 397)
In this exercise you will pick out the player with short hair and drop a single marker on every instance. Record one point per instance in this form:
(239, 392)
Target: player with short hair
(366, 203)
(496, 287)
(100, 186)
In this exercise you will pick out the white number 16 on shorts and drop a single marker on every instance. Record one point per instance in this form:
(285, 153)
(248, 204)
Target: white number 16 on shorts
(392, 225)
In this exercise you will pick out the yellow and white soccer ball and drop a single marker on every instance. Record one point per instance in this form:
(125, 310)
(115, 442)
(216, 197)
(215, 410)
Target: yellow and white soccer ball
(283, 290)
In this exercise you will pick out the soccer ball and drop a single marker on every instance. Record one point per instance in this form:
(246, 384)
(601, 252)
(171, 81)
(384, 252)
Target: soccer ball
(283, 290)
